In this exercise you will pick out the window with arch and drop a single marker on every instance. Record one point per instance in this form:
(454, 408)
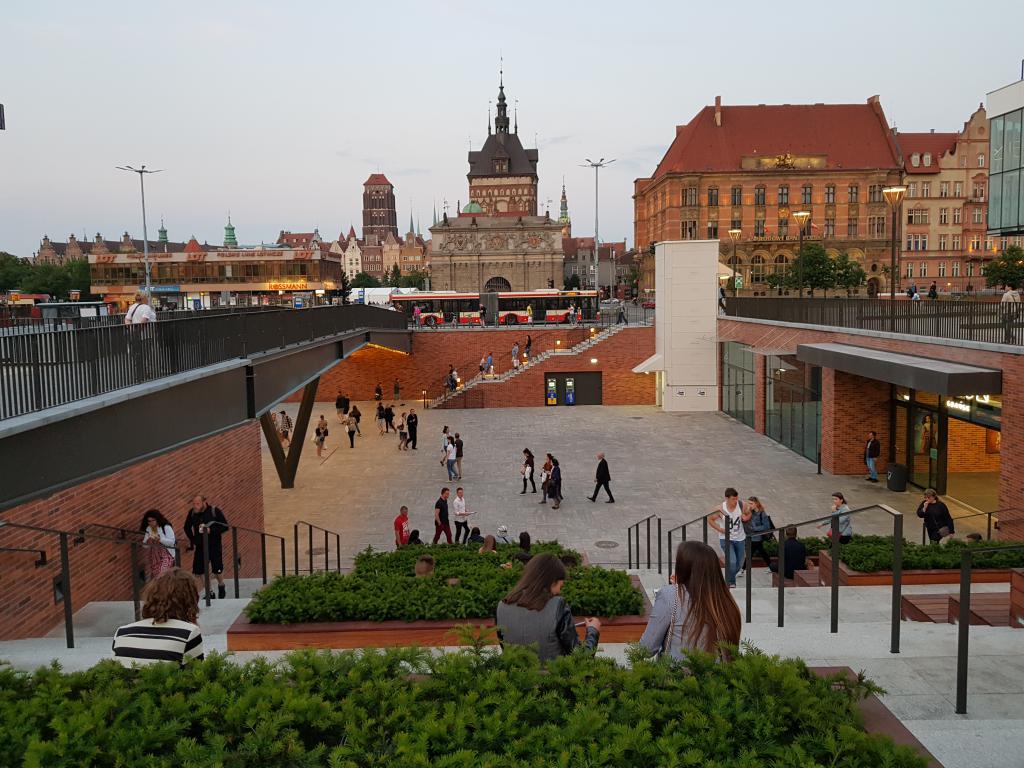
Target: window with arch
(757, 269)
(496, 284)
(981, 160)
(781, 265)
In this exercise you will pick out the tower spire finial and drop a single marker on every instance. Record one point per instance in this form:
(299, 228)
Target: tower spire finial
(515, 117)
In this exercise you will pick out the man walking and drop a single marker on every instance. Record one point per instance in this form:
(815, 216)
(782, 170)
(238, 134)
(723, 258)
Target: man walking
(351, 423)
(732, 513)
(412, 423)
(397, 390)
(402, 527)
(515, 354)
(458, 456)
(1009, 306)
(204, 518)
(284, 424)
(872, 450)
(602, 477)
(441, 517)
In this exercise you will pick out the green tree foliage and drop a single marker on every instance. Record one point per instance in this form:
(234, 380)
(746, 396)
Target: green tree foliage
(12, 271)
(78, 277)
(47, 278)
(345, 287)
(849, 274)
(572, 283)
(1006, 269)
(812, 269)
(415, 279)
(408, 707)
(393, 277)
(363, 280)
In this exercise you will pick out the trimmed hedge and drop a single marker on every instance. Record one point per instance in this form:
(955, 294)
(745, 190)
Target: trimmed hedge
(383, 587)
(405, 707)
(874, 553)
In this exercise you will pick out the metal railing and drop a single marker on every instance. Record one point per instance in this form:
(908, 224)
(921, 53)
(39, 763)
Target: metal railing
(633, 534)
(11, 324)
(964, 621)
(236, 557)
(988, 524)
(40, 560)
(966, 320)
(44, 369)
(327, 545)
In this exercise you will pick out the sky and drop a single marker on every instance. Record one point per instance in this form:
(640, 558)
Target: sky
(277, 112)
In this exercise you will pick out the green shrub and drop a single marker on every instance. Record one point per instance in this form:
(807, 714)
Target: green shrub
(383, 587)
(875, 553)
(348, 710)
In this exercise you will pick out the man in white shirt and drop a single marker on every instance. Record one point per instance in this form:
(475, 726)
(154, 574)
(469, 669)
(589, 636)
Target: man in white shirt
(461, 515)
(140, 311)
(1010, 308)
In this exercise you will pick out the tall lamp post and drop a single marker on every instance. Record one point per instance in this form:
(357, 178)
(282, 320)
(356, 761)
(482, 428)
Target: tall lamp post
(142, 171)
(894, 197)
(734, 235)
(597, 254)
(801, 219)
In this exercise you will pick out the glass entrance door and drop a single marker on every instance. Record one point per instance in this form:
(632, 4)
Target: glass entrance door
(925, 440)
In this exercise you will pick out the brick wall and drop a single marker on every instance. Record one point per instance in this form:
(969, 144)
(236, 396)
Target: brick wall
(851, 406)
(226, 468)
(967, 451)
(1011, 473)
(760, 371)
(433, 351)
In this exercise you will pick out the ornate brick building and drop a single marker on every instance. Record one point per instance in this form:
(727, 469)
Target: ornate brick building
(944, 214)
(751, 167)
(380, 215)
(497, 242)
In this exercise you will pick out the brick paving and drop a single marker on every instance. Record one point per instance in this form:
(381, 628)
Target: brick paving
(668, 464)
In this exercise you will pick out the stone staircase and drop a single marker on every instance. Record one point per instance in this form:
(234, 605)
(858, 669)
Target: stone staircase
(511, 373)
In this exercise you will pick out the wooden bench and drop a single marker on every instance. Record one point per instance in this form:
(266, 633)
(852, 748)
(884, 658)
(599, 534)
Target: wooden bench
(927, 608)
(992, 610)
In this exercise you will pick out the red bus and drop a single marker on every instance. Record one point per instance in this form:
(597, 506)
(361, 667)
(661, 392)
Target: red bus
(514, 308)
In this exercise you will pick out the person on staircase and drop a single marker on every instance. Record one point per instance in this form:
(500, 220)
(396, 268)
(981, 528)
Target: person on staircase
(204, 518)
(528, 347)
(515, 355)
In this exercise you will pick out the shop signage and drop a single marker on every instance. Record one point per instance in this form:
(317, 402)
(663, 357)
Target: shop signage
(293, 285)
(161, 288)
(963, 403)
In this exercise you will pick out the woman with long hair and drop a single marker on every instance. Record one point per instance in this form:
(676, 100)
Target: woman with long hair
(555, 483)
(527, 470)
(168, 630)
(545, 476)
(158, 542)
(696, 611)
(534, 613)
(490, 544)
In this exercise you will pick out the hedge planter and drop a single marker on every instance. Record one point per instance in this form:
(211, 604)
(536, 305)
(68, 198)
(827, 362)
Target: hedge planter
(245, 635)
(850, 577)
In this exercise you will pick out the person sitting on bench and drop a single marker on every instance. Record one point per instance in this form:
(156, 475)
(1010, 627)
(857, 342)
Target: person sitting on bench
(795, 554)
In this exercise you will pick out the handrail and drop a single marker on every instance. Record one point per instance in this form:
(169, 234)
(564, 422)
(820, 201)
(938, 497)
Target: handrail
(988, 531)
(630, 537)
(237, 560)
(671, 560)
(963, 630)
(327, 545)
(833, 518)
(123, 532)
(40, 561)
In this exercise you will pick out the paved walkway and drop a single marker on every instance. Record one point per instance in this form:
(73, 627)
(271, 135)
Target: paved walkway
(672, 465)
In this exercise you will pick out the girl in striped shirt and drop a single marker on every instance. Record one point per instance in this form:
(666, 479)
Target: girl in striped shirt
(168, 630)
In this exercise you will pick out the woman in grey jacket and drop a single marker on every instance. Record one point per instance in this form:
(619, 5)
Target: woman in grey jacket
(534, 613)
(695, 611)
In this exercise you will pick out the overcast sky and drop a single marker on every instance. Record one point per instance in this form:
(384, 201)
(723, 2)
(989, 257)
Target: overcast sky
(278, 111)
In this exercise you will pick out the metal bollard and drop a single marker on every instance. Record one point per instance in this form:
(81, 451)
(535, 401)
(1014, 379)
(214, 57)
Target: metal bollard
(134, 562)
(897, 582)
(206, 565)
(834, 626)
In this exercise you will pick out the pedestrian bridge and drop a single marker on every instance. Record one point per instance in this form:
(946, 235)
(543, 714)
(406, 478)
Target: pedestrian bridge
(78, 403)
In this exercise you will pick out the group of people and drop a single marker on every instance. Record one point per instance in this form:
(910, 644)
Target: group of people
(350, 417)
(550, 477)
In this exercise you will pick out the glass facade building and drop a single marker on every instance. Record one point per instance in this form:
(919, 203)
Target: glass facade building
(1006, 172)
(738, 382)
(793, 404)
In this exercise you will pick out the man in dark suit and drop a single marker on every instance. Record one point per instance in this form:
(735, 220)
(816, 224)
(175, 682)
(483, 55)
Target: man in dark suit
(603, 477)
(872, 450)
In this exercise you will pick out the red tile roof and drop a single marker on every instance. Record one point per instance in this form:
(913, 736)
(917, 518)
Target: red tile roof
(936, 143)
(376, 178)
(193, 246)
(851, 136)
(301, 239)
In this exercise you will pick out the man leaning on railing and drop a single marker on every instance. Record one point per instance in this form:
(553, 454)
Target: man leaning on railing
(140, 314)
(1009, 306)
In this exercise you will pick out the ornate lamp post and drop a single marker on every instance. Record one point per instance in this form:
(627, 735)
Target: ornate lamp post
(734, 235)
(894, 197)
(801, 219)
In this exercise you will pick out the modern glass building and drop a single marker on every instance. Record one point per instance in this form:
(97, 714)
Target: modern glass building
(1005, 108)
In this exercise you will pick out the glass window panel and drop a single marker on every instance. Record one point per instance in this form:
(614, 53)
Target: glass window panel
(995, 211)
(996, 142)
(1011, 191)
(1011, 140)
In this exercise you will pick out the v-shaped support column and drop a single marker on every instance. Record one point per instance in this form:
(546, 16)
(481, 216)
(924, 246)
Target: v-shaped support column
(287, 464)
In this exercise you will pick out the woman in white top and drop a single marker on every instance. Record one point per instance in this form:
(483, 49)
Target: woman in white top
(168, 630)
(461, 515)
(158, 543)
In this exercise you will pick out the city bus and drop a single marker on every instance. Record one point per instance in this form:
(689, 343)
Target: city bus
(513, 308)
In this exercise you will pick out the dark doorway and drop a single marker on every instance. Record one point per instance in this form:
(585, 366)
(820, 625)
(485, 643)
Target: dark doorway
(572, 388)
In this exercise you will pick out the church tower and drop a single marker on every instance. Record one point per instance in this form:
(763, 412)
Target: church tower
(379, 211)
(563, 216)
(230, 241)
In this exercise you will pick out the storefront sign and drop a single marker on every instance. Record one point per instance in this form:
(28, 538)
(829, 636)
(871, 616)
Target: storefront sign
(161, 288)
(293, 285)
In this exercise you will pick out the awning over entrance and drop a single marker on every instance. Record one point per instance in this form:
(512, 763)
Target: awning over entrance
(652, 364)
(924, 373)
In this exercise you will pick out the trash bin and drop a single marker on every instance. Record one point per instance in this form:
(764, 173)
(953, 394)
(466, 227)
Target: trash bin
(896, 478)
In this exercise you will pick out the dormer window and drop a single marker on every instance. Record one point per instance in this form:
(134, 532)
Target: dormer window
(927, 159)
(915, 159)
(501, 166)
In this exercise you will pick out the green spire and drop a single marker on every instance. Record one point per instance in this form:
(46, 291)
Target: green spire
(229, 235)
(563, 217)
(412, 229)
(162, 231)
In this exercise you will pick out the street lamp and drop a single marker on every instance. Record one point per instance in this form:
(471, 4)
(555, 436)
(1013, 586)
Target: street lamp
(801, 219)
(894, 197)
(597, 167)
(142, 171)
(734, 235)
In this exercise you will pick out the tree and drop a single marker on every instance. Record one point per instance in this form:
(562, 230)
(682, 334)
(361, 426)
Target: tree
(812, 268)
(394, 277)
(415, 279)
(573, 283)
(346, 287)
(849, 274)
(12, 271)
(1007, 269)
(363, 280)
(47, 278)
(78, 277)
